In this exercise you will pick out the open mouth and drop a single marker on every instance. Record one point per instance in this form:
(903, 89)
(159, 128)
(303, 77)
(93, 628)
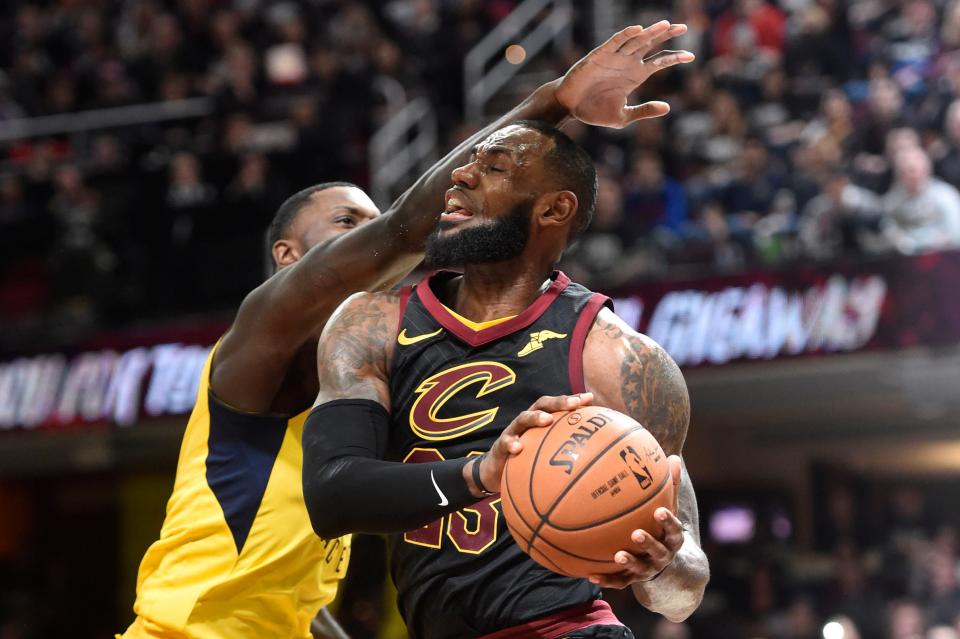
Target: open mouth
(456, 209)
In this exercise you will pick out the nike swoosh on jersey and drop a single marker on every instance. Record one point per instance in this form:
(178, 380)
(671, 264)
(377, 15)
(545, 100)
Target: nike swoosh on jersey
(443, 498)
(403, 340)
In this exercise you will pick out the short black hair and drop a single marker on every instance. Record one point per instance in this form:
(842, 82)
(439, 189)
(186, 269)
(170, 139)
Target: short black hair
(288, 211)
(575, 169)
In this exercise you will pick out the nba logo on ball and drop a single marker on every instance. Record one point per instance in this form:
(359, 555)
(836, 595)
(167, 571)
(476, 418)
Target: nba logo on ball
(641, 472)
(581, 486)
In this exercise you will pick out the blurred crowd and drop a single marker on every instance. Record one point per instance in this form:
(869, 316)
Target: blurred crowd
(887, 568)
(807, 129)
(884, 564)
(119, 224)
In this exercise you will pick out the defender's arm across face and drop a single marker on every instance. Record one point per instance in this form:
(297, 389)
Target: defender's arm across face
(668, 575)
(278, 317)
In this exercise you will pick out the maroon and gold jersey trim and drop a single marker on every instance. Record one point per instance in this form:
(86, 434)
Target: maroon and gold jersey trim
(579, 339)
(492, 333)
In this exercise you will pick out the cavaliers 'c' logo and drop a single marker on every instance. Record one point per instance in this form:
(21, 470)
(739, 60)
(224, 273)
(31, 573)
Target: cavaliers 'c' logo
(437, 390)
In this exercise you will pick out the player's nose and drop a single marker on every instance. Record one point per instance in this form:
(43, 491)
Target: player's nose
(465, 175)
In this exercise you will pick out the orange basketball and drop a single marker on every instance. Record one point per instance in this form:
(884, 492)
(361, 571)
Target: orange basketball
(578, 489)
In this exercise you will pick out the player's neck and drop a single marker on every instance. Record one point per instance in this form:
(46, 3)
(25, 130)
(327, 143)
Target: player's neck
(491, 291)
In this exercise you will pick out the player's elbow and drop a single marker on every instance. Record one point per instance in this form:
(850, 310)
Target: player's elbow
(691, 596)
(321, 491)
(687, 604)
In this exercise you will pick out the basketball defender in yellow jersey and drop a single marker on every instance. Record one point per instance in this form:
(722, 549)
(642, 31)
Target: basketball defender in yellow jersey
(237, 558)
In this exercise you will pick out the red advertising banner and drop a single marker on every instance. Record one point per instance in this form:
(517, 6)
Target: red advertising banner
(806, 310)
(811, 309)
(111, 378)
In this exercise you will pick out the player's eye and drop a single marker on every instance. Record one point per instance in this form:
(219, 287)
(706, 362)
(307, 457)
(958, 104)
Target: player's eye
(346, 220)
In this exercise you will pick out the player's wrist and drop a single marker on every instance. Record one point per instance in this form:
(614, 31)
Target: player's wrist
(549, 106)
(472, 472)
(483, 486)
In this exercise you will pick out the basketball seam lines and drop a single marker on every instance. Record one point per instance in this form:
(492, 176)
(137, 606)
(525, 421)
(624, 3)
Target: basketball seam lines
(545, 518)
(663, 483)
(571, 554)
(513, 502)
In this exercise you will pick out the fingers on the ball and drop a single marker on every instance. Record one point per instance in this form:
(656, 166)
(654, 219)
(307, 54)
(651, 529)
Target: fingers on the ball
(530, 419)
(642, 41)
(550, 403)
(645, 111)
(672, 528)
(647, 544)
(676, 469)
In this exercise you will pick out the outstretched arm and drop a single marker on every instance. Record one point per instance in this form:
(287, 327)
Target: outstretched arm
(277, 318)
(668, 575)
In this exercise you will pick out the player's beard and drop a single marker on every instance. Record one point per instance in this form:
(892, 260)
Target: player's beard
(495, 241)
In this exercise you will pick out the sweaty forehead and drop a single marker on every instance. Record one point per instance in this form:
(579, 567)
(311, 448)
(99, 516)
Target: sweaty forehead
(519, 141)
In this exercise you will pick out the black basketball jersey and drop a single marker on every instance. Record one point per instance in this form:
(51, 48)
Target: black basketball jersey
(453, 390)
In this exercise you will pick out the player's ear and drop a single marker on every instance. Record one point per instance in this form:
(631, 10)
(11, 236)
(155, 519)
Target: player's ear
(557, 208)
(285, 253)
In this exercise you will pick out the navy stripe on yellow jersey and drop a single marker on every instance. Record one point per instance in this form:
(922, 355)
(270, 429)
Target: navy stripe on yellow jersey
(237, 557)
(241, 451)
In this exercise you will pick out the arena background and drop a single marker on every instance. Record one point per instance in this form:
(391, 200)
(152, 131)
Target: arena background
(789, 232)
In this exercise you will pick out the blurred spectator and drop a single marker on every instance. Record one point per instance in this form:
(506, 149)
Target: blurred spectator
(948, 162)
(750, 196)
(852, 594)
(843, 219)
(885, 112)
(905, 620)
(603, 255)
(756, 19)
(742, 68)
(653, 203)
(921, 213)
(81, 261)
(943, 600)
(693, 14)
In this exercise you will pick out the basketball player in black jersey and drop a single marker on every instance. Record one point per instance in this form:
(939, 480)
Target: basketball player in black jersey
(262, 373)
(430, 378)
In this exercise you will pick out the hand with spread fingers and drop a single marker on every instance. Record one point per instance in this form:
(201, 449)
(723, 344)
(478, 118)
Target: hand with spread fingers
(596, 89)
(645, 556)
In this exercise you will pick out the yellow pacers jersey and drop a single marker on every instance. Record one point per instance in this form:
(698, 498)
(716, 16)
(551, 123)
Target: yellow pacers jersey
(237, 557)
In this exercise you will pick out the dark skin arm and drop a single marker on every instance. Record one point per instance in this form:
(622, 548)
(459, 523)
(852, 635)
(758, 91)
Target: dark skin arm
(668, 574)
(278, 317)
